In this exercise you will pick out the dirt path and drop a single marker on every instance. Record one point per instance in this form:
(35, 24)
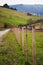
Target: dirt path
(3, 33)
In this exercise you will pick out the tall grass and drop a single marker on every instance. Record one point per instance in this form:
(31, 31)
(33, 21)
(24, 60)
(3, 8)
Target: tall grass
(11, 54)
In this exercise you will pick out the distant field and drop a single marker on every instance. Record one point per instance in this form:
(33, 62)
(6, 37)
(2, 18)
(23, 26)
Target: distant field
(10, 53)
(15, 17)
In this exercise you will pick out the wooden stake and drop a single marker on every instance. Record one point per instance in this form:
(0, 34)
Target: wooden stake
(26, 45)
(22, 40)
(33, 45)
(18, 36)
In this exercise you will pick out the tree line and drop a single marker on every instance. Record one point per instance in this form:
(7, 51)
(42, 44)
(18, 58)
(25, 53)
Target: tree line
(7, 6)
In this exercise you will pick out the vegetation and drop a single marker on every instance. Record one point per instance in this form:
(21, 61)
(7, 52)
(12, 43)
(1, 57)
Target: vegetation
(14, 17)
(6, 6)
(11, 54)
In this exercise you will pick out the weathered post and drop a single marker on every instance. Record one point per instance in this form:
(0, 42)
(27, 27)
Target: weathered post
(21, 37)
(26, 46)
(15, 33)
(33, 45)
(18, 35)
(23, 40)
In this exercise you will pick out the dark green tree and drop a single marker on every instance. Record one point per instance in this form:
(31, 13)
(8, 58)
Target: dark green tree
(6, 6)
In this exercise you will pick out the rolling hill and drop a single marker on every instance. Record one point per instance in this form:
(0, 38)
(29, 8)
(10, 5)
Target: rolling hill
(34, 9)
(15, 17)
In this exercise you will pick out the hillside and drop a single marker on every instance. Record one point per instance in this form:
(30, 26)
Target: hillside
(15, 17)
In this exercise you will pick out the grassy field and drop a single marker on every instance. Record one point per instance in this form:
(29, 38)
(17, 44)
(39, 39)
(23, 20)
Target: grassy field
(11, 54)
(15, 17)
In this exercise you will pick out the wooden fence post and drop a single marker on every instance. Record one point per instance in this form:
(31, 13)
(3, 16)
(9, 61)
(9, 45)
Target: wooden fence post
(21, 37)
(26, 45)
(18, 36)
(33, 45)
(23, 40)
(17, 33)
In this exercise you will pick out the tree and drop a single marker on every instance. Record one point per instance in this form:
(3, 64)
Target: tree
(6, 6)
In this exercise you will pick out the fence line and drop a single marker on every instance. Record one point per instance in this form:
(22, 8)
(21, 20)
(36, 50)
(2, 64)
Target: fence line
(19, 34)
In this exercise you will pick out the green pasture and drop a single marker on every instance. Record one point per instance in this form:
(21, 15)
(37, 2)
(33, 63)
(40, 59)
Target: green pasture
(15, 17)
(11, 54)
